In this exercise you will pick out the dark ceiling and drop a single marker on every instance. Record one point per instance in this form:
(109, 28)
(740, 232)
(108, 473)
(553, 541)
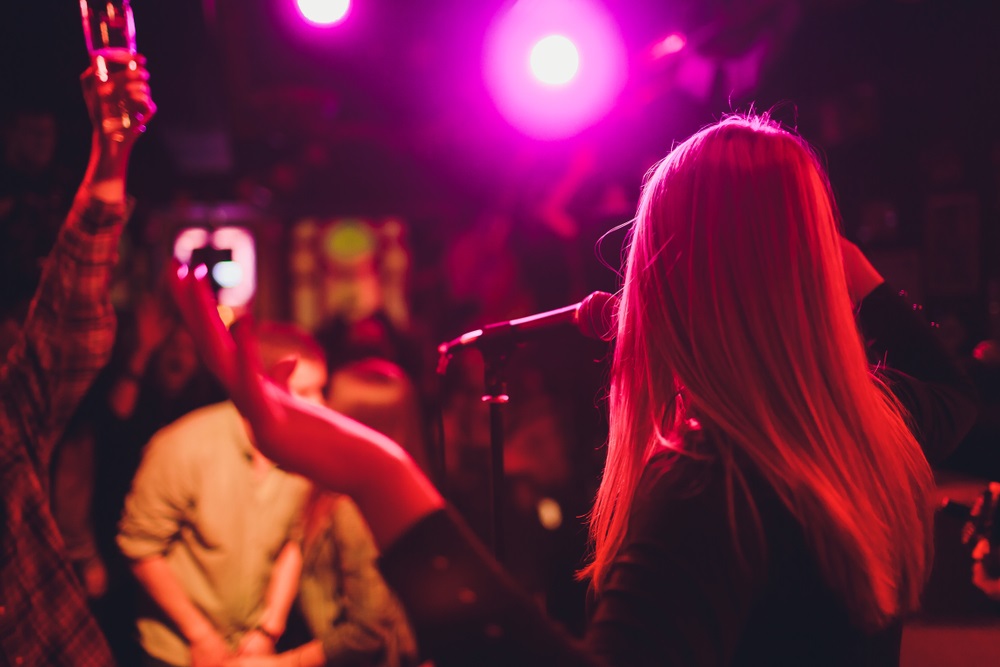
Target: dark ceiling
(397, 91)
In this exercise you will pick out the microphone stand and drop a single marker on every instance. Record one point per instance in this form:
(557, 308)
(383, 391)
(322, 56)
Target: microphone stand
(496, 342)
(495, 355)
(496, 352)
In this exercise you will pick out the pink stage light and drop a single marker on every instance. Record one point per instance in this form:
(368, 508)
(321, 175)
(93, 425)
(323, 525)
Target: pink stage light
(554, 67)
(668, 45)
(555, 60)
(324, 12)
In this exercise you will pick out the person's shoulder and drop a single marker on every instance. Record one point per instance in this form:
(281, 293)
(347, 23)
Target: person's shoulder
(216, 412)
(677, 489)
(186, 432)
(705, 500)
(679, 475)
(699, 485)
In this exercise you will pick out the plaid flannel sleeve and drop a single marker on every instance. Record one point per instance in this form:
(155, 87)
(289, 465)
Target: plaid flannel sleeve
(69, 331)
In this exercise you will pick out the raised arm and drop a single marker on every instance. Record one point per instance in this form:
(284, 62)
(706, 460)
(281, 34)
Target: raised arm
(442, 573)
(939, 396)
(70, 328)
(327, 447)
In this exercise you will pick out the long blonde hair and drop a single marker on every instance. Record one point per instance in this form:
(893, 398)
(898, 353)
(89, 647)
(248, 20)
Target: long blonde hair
(734, 311)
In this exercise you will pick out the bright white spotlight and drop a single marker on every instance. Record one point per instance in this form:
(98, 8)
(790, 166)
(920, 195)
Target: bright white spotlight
(227, 274)
(554, 60)
(324, 12)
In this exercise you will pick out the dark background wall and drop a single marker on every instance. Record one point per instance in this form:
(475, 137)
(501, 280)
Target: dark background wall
(388, 114)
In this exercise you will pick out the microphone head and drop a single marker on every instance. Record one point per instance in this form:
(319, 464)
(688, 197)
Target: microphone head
(595, 318)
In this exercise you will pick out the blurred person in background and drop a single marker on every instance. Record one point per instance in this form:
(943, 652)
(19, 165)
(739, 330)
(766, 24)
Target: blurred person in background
(36, 191)
(212, 528)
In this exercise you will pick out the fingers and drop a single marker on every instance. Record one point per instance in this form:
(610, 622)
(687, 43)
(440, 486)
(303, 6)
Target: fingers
(984, 582)
(117, 83)
(981, 549)
(132, 86)
(122, 56)
(122, 67)
(199, 312)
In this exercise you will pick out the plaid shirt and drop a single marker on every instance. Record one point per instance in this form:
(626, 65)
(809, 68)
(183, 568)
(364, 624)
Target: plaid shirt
(67, 338)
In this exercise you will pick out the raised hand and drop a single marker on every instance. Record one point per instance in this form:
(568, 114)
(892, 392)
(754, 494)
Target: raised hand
(861, 276)
(198, 310)
(116, 90)
(119, 87)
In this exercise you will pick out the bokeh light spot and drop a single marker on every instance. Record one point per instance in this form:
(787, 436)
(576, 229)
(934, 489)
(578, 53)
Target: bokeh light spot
(227, 274)
(555, 60)
(549, 514)
(348, 241)
(670, 44)
(324, 12)
(554, 67)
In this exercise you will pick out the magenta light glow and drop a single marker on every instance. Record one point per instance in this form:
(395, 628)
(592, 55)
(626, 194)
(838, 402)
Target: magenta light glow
(554, 67)
(324, 12)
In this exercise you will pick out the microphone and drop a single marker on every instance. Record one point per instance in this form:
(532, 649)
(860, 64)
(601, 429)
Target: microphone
(593, 317)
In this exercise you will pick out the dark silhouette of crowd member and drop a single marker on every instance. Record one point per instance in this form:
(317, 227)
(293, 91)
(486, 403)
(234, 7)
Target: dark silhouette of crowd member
(65, 340)
(36, 191)
(372, 337)
(766, 497)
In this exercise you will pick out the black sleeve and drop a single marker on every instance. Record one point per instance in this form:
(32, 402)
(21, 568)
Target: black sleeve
(670, 600)
(682, 587)
(465, 609)
(938, 394)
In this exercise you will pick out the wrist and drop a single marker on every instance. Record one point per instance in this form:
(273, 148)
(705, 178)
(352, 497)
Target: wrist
(199, 633)
(108, 167)
(271, 634)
